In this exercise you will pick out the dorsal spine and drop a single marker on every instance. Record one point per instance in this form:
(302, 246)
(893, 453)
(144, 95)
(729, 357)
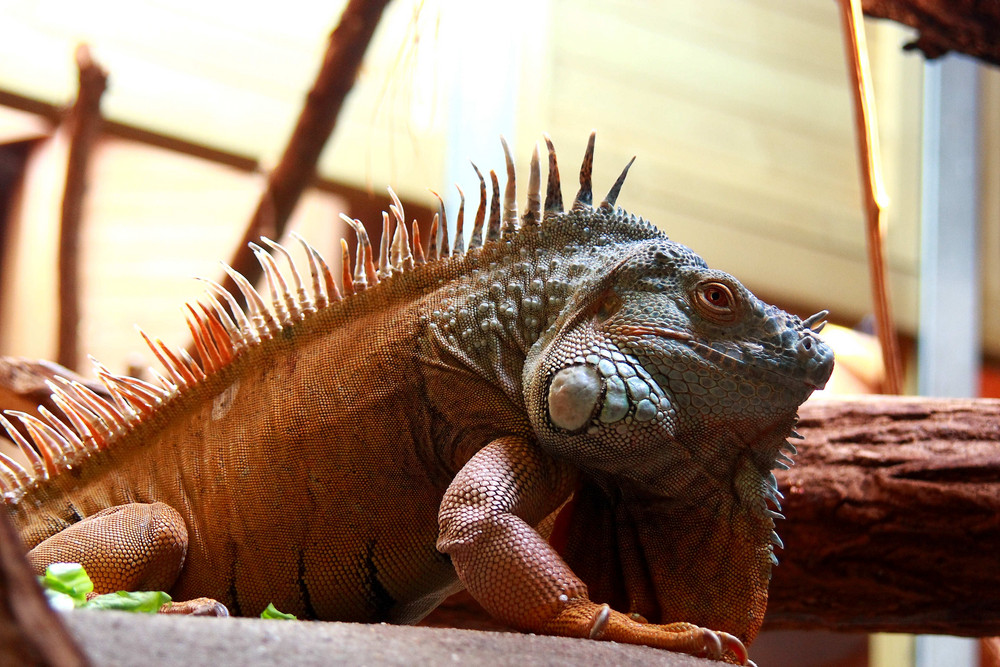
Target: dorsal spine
(222, 330)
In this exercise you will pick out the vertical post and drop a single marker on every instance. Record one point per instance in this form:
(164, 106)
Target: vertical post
(84, 123)
(950, 338)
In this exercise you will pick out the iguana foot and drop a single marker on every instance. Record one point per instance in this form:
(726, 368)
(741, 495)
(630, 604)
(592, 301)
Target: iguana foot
(196, 607)
(582, 617)
(130, 547)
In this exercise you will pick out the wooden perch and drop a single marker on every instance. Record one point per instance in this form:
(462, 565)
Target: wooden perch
(966, 26)
(31, 633)
(84, 121)
(893, 525)
(297, 167)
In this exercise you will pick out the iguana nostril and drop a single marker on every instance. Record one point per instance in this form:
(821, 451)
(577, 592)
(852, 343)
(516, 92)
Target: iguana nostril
(805, 346)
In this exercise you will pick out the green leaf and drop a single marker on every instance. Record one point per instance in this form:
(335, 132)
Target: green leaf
(69, 579)
(274, 614)
(148, 602)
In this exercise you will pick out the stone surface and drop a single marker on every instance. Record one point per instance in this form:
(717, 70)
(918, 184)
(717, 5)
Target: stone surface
(113, 638)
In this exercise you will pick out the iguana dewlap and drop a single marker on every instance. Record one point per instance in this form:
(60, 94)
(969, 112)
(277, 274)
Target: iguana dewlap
(360, 457)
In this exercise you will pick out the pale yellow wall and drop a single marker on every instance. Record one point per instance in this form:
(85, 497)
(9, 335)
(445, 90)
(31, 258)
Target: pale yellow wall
(233, 76)
(741, 116)
(739, 112)
(154, 220)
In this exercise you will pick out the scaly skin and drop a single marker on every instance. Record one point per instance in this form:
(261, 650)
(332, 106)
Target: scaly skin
(363, 461)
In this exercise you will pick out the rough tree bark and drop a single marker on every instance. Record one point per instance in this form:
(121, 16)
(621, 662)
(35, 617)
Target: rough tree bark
(84, 121)
(297, 167)
(893, 511)
(968, 26)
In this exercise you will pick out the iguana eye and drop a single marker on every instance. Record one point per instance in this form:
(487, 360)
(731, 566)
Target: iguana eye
(716, 302)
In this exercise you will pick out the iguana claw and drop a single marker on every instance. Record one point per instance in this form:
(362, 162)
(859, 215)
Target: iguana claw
(730, 644)
(713, 644)
(724, 646)
(600, 623)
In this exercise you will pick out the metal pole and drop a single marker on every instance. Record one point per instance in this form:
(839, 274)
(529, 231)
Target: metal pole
(949, 352)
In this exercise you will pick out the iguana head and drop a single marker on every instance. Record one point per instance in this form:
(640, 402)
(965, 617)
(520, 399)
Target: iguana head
(663, 368)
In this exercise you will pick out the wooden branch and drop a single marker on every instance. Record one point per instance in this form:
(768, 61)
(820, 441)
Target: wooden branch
(84, 122)
(297, 167)
(31, 633)
(893, 523)
(966, 26)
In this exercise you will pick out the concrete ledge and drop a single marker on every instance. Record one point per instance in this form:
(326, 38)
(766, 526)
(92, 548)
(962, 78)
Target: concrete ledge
(114, 638)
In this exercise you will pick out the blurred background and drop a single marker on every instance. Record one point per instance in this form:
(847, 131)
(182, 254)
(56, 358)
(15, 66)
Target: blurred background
(740, 113)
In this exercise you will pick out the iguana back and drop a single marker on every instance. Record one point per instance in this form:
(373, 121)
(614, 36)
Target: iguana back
(324, 449)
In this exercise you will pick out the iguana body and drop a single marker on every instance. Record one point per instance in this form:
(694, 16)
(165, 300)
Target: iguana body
(362, 459)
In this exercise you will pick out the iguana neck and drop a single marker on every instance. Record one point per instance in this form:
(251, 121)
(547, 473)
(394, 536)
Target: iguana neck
(507, 300)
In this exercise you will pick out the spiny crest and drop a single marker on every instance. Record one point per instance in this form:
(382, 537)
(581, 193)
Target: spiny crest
(221, 328)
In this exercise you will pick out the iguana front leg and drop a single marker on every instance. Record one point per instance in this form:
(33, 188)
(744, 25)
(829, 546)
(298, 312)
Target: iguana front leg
(486, 521)
(132, 547)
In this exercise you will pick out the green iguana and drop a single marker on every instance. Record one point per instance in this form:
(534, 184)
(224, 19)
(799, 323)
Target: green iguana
(361, 457)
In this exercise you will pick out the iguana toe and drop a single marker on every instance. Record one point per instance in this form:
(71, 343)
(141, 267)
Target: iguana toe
(196, 607)
(731, 646)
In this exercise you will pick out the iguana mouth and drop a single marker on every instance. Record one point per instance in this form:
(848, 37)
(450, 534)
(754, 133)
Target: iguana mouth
(814, 377)
(660, 332)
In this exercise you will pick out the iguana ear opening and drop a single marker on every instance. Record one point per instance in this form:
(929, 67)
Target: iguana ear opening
(598, 300)
(573, 394)
(607, 305)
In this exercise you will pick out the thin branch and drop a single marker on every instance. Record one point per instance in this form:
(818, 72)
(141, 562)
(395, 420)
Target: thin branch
(297, 167)
(84, 122)
(874, 192)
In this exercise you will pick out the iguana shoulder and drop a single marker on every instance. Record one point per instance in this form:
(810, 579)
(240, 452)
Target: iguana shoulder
(359, 451)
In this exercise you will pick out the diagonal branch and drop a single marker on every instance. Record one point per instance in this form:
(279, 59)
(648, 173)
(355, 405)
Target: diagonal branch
(297, 167)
